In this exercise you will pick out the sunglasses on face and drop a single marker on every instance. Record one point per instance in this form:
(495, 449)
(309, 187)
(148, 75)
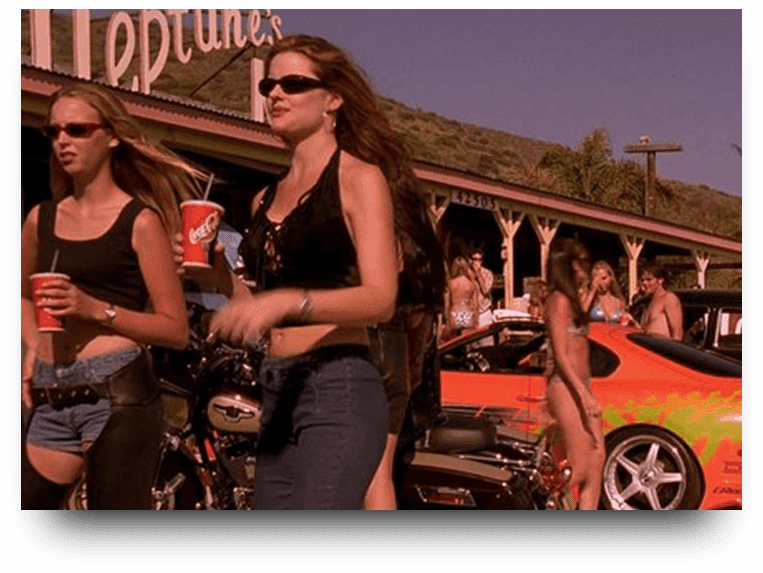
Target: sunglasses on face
(289, 84)
(76, 130)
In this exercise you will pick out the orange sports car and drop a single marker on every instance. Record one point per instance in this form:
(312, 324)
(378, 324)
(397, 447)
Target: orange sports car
(672, 413)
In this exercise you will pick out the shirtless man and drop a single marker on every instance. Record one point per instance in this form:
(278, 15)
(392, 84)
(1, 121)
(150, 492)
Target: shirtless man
(663, 316)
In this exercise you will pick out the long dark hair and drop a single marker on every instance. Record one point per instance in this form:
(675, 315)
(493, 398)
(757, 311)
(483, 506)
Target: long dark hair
(363, 130)
(561, 274)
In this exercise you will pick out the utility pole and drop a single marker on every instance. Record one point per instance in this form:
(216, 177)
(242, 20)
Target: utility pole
(646, 146)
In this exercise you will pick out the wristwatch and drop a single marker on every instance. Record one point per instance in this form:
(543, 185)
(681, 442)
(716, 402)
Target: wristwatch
(110, 314)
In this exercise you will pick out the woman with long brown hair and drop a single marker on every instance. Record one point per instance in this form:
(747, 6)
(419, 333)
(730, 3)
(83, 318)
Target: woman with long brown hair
(320, 247)
(400, 345)
(568, 392)
(96, 407)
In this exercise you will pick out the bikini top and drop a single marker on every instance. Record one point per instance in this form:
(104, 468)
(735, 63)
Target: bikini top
(581, 330)
(310, 248)
(597, 314)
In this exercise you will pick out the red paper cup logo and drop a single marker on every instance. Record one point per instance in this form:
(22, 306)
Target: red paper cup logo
(46, 322)
(201, 219)
(205, 233)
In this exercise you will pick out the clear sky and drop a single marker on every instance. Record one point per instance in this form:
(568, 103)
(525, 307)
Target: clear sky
(555, 75)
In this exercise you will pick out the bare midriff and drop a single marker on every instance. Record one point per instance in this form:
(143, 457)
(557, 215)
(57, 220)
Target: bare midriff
(81, 340)
(290, 341)
(578, 357)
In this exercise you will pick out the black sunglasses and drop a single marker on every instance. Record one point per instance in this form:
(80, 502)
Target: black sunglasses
(77, 130)
(290, 84)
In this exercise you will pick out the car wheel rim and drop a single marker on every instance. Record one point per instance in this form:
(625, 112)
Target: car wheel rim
(645, 472)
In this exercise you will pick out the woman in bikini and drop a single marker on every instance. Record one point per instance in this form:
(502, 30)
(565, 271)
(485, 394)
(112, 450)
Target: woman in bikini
(96, 406)
(603, 299)
(461, 300)
(568, 391)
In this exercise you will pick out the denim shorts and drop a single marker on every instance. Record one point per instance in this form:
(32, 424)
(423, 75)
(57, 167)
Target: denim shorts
(66, 428)
(324, 429)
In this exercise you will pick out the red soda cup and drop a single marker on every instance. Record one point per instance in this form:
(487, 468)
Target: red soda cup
(201, 219)
(46, 322)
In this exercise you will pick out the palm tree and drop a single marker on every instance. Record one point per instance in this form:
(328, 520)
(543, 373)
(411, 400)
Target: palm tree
(587, 171)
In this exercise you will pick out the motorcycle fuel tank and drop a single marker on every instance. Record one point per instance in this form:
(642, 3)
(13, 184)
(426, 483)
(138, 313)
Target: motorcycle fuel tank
(232, 411)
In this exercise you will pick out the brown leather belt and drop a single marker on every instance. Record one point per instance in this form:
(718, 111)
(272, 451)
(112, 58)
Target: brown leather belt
(134, 384)
(66, 396)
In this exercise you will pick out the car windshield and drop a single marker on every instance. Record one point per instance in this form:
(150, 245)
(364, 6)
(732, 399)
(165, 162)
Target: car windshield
(694, 358)
(497, 351)
(516, 352)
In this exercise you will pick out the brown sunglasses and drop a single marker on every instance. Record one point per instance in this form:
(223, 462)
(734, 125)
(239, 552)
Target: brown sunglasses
(76, 130)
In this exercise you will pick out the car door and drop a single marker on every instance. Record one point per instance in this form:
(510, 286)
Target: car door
(495, 377)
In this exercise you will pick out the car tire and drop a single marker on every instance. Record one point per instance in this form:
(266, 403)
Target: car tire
(650, 468)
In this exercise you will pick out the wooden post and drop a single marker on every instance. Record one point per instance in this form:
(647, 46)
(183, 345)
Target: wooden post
(508, 222)
(646, 146)
(438, 203)
(545, 228)
(702, 261)
(633, 246)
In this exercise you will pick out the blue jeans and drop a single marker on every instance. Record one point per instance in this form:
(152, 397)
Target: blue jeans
(324, 429)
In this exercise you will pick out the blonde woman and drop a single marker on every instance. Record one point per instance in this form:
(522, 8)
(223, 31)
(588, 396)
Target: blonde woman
(538, 294)
(602, 298)
(95, 404)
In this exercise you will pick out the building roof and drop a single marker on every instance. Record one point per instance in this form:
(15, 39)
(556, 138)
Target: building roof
(213, 120)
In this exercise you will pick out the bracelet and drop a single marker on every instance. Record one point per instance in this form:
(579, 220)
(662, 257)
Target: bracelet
(305, 308)
(111, 313)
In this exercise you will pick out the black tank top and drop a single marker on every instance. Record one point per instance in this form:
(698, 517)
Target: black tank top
(310, 248)
(106, 267)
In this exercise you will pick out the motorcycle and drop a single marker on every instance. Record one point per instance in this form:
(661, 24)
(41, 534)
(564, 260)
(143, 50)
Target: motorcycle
(214, 407)
(446, 459)
(469, 458)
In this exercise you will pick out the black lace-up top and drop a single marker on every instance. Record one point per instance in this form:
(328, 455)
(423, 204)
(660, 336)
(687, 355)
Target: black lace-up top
(310, 248)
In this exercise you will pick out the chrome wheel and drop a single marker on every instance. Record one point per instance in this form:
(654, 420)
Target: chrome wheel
(77, 496)
(647, 468)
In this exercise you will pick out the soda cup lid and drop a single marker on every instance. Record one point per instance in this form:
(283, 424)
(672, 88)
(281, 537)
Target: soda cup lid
(202, 203)
(49, 274)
